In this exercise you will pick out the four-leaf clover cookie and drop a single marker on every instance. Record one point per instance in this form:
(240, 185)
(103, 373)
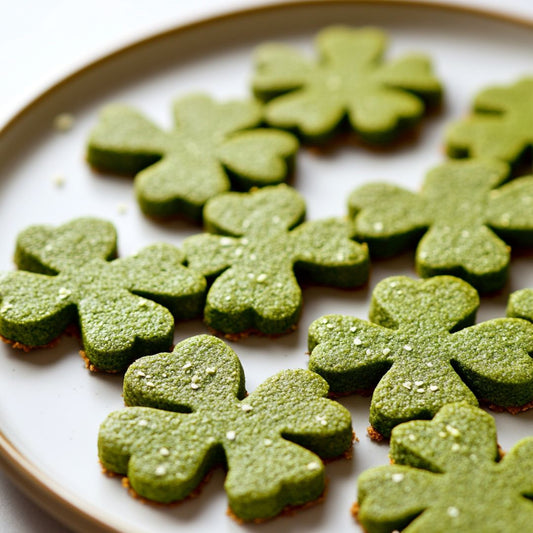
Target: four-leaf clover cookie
(212, 147)
(501, 125)
(189, 413)
(448, 476)
(349, 82)
(257, 249)
(125, 308)
(420, 351)
(463, 220)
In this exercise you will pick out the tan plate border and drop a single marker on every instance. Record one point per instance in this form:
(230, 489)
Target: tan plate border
(42, 489)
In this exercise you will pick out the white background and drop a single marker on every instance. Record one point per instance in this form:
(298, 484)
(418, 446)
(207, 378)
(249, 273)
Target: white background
(42, 41)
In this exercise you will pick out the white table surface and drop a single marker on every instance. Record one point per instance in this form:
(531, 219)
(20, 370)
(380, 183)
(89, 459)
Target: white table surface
(42, 41)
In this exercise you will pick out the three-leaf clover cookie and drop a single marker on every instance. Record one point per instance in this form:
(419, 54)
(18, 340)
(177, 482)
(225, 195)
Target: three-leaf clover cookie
(501, 125)
(349, 82)
(125, 308)
(420, 351)
(212, 147)
(463, 220)
(257, 249)
(189, 413)
(447, 476)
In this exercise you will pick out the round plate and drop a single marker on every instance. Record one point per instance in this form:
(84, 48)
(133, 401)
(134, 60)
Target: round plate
(50, 405)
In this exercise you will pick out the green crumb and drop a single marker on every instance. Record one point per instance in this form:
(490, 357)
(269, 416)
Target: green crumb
(212, 147)
(463, 220)
(447, 476)
(188, 412)
(420, 351)
(125, 308)
(501, 125)
(349, 82)
(258, 248)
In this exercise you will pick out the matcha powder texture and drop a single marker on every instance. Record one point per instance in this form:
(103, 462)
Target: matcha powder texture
(125, 308)
(258, 250)
(447, 476)
(189, 412)
(420, 351)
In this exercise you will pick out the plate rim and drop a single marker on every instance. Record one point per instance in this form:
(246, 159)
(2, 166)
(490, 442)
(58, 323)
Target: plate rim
(41, 488)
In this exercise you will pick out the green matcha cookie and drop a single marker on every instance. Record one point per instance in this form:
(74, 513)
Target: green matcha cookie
(212, 147)
(521, 304)
(124, 307)
(447, 477)
(501, 125)
(463, 218)
(419, 353)
(348, 83)
(265, 248)
(189, 413)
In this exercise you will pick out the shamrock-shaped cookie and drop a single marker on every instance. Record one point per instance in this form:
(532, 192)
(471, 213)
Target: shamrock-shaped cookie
(189, 413)
(213, 146)
(447, 476)
(501, 125)
(124, 307)
(348, 81)
(463, 218)
(263, 247)
(419, 354)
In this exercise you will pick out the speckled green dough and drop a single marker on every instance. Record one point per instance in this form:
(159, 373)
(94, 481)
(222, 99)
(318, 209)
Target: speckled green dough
(520, 304)
(349, 83)
(189, 413)
(264, 246)
(462, 220)
(213, 146)
(501, 125)
(419, 353)
(124, 308)
(448, 477)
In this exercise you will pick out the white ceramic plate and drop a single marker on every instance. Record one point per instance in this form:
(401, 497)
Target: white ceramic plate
(50, 406)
